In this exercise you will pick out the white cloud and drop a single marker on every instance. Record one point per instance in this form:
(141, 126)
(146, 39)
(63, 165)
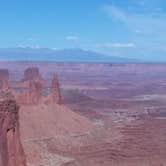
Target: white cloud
(115, 13)
(147, 27)
(72, 38)
(152, 23)
(117, 45)
(28, 46)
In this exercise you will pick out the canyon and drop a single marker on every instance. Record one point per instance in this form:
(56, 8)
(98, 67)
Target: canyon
(84, 114)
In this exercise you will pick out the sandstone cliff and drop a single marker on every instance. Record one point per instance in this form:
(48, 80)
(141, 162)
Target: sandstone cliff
(11, 150)
(33, 94)
(4, 78)
(36, 92)
(32, 73)
(55, 92)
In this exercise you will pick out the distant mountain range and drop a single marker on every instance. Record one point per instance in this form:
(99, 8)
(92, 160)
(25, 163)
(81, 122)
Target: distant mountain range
(66, 55)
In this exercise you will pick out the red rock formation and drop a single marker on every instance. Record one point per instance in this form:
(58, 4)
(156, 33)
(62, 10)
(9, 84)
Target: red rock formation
(33, 95)
(35, 91)
(32, 73)
(35, 85)
(4, 78)
(11, 150)
(55, 95)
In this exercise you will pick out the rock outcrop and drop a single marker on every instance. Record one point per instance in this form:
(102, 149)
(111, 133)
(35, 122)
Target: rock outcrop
(33, 94)
(37, 91)
(54, 95)
(4, 78)
(32, 73)
(56, 92)
(11, 150)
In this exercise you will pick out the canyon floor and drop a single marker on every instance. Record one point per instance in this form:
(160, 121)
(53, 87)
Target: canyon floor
(112, 115)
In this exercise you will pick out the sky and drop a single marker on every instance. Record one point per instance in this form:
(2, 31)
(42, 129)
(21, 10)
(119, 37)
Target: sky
(126, 28)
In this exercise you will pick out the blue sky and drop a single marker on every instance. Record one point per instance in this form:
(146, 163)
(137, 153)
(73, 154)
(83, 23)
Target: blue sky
(128, 28)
